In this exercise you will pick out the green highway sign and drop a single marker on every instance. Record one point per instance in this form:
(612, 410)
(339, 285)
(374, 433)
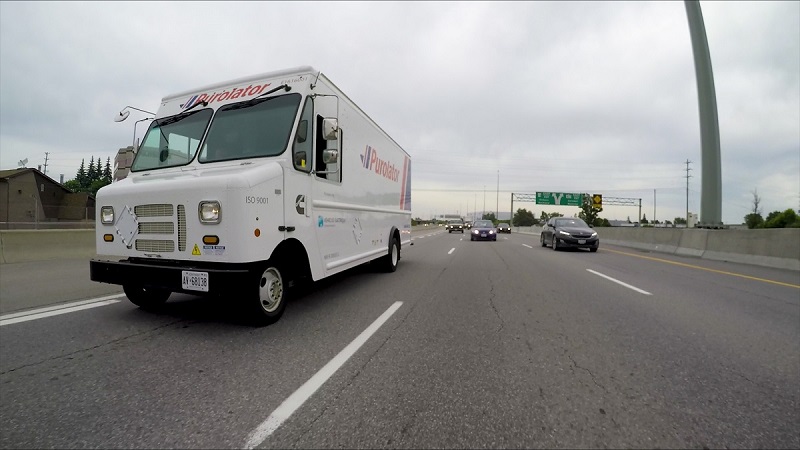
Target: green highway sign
(559, 198)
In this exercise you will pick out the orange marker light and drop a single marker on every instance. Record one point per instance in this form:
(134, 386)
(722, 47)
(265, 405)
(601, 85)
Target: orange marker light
(257, 232)
(210, 240)
(108, 237)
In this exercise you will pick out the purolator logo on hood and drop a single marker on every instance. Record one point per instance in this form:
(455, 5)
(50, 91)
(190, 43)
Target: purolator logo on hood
(371, 161)
(227, 94)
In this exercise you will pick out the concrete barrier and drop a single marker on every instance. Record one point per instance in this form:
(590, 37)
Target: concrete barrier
(775, 247)
(38, 245)
(771, 247)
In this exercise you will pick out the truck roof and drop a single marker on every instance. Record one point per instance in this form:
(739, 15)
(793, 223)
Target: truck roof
(300, 70)
(243, 80)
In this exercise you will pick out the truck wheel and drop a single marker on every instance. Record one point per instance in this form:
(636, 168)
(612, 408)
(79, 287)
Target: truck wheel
(269, 302)
(147, 298)
(389, 262)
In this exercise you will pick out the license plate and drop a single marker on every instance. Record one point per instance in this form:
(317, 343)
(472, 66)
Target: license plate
(194, 281)
(581, 241)
(483, 234)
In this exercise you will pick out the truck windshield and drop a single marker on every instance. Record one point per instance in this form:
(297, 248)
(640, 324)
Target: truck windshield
(251, 129)
(171, 141)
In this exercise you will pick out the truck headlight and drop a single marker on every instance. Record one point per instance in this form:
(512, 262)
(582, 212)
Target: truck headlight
(209, 212)
(107, 215)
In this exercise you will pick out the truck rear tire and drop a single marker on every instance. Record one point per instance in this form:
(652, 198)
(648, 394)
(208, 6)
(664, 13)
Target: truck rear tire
(269, 301)
(389, 262)
(146, 298)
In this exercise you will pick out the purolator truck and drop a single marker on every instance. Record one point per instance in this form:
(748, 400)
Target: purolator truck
(245, 188)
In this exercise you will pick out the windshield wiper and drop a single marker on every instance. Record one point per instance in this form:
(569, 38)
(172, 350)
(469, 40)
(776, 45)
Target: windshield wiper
(285, 87)
(204, 103)
(256, 100)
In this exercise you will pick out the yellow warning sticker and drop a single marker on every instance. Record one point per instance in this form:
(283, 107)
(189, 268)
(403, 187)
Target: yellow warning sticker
(196, 250)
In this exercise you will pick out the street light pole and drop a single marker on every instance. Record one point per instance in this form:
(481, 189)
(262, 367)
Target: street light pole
(497, 202)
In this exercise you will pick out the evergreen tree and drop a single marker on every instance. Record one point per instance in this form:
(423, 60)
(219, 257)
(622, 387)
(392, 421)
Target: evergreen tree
(80, 177)
(107, 175)
(91, 174)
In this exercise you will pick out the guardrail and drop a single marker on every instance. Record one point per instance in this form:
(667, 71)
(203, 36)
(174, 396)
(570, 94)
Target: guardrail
(775, 247)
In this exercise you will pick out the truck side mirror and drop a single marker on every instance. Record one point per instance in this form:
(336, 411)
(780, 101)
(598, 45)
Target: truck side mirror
(330, 156)
(330, 129)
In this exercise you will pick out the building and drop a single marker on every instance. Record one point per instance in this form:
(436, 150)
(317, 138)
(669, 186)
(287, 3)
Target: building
(123, 162)
(31, 199)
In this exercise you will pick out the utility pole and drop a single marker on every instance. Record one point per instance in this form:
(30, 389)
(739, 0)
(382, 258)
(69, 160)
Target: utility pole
(497, 202)
(46, 154)
(484, 202)
(687, 192)
(654, 206)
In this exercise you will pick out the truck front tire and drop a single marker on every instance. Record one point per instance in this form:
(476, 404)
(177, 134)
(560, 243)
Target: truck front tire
(269, 302)
(146, 298)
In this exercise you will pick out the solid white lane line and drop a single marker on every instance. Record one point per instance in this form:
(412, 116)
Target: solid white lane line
(526, 245)
(451, 251)
(619, 282)
(59, 306)
(304, 392)
(50, 311)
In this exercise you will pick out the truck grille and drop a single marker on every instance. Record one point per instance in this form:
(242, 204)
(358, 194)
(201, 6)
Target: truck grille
(156, 228)
(152, 222)
(181, 228)
(153, 245)
(153, 211)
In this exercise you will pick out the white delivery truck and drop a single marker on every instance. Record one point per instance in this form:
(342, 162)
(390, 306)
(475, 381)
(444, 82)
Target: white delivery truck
(244, 188)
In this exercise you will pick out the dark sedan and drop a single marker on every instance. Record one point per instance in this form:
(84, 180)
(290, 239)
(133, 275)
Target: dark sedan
(563, 232)
(503, 228)
(482, 230)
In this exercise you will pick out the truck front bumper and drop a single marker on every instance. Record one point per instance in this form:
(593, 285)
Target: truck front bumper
(168, 274)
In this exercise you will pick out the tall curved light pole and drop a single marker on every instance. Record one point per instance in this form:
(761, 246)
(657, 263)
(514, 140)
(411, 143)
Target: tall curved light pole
(711, 172)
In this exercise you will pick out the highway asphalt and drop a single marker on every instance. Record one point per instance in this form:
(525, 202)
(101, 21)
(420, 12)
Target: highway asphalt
(468, 345)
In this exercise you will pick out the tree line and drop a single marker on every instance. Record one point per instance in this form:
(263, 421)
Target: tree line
(91, 179)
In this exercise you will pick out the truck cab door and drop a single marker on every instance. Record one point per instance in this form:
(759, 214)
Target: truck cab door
(298, 179)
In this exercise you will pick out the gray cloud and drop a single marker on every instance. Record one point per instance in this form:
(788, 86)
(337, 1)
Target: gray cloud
(573, 96)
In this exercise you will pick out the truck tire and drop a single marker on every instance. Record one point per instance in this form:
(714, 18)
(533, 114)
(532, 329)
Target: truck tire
(269, 301)
(146, 298)
(389, 262)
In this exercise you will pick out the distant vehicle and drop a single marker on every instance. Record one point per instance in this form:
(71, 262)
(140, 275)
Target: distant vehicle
(468, 225)
(483, 230)
(564, 232)
(503, 228)
(455, 225)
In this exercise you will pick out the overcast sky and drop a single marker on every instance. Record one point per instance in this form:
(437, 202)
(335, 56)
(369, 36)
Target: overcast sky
(595, 97)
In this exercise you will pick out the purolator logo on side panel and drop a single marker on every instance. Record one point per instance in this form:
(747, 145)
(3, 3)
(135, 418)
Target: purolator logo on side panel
(371, 161)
